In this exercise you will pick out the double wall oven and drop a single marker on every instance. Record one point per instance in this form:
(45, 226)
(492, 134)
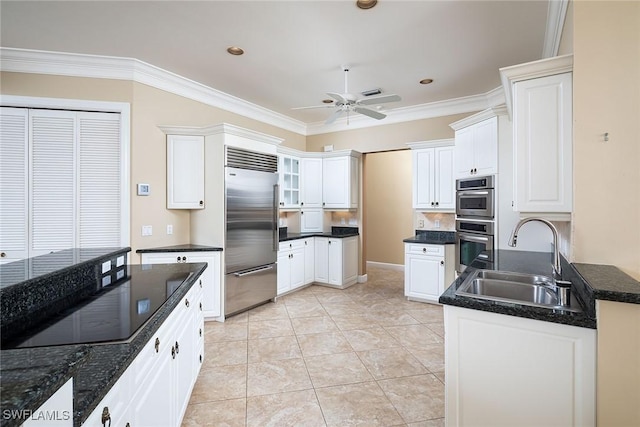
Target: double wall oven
(475, 220)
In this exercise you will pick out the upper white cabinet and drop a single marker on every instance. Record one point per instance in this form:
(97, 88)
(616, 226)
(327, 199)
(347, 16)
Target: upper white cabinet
(289, 171)
(476, 146)
(541, 100)
(185, 172)
(311, 220)
(340, 182)
(433, 175)
(311, 188)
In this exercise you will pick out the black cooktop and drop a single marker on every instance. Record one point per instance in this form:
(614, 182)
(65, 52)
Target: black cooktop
(111, 313)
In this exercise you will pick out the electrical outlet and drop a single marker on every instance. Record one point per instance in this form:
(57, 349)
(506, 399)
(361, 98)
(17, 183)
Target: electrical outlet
(436, 223)
(342, 221)
(169, 229)
(421, 223)
(147, 230)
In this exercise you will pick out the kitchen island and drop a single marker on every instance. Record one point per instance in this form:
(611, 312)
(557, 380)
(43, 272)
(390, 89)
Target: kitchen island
(37, 361)
(503, 357)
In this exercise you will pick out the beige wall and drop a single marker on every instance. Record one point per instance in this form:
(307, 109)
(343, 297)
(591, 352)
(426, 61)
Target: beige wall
(618, 373)
(606, 85)
(388, 213)
(386, 137)
(150, 108)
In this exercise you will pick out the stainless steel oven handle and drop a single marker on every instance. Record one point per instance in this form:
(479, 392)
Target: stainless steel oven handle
(474, 238)
(248, 273)
(472, 193)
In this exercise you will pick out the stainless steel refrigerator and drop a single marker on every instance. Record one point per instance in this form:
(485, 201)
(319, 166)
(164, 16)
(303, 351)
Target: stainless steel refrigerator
(251, 249)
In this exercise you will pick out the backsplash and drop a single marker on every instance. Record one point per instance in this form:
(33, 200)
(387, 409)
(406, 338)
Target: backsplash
(344, 219)
(446, 221)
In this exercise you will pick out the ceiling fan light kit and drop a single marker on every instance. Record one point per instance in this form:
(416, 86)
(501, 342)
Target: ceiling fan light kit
(347, 102)
(366, 4)
(235, 50)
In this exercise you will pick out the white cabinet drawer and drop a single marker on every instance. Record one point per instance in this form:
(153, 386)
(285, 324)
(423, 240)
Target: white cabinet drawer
(291, 244)
(431, 250)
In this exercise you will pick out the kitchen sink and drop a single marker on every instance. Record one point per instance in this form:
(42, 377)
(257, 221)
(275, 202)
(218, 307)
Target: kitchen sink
(528, 289)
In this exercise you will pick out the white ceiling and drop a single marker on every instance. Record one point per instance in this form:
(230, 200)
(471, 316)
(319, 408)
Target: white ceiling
(294, 49)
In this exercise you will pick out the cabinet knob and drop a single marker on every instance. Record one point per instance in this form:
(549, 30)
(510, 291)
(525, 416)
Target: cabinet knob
(471, 170)
(437, 203)
(305, 243)
(424, 249)
(302, 213)
(177, 347)
(3, 255)
(201, 203)
(157, 345)
(200, 306)
(200, 358)
(184, 259)
(329, 241)
(302, 204)
(186, 302)
(323, 203)
(290, 245)
(173, 352)
(178, 259)
(432, 203)
(106, 416)
(442, 262)
(200, 331)
(200, 283)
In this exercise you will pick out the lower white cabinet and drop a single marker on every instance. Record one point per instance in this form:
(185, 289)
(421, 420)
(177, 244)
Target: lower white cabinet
(291, 263)
(210, 278)
(309, 260)
(336, 260)
(428, 269)
(155, 388)
(510, 371)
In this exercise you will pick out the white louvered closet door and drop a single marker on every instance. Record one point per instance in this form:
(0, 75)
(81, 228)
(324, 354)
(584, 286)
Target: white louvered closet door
(13, 184)
(99, 180)
(52, 181)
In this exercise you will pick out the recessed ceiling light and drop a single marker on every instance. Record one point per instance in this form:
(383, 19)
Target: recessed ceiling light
(327, 101)
(366, 4)
(235, 50)
(426, 81)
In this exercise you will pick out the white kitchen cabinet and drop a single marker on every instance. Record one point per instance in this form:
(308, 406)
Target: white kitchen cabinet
(433, 176)
(155, 389)
(289, 174)
(185, 172)
(542, 138)
(311, 187)
(340, 182)
(336, 261)
(57, 411)
(476, 147)
(497, 365)
(428, 269)
(210, 278)
(291, 263)
(311, 220)
(309, 260)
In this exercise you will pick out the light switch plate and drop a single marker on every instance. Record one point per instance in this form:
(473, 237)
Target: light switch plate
(147, 230)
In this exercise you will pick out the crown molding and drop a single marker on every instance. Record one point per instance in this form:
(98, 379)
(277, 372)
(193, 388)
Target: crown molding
(479, 117)
(431, 144)
(556, 14)
(109, 67)
(118, 68)
(225, 128)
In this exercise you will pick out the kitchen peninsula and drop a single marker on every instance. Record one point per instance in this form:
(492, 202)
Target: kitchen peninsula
(60, 335)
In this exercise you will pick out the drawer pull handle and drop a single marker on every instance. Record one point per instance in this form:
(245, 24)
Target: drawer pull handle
(200, 358)
(157, 345)
(200, 331)
(106, 416)
(173, 352)
(200, 305)
(177, 347)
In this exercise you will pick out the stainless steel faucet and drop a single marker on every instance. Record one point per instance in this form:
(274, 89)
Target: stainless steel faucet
(556, 252)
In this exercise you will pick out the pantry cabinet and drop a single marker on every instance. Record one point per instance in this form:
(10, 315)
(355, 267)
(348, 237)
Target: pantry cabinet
(185, 172)
(340, 182)
(433, 175)
(476, 147)
(210, 278)
(427, 270)
(540, 96)
(516, 360)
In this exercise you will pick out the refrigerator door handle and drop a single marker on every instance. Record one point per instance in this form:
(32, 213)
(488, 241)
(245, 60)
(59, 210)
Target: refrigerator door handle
(249, 273)
(276, 203)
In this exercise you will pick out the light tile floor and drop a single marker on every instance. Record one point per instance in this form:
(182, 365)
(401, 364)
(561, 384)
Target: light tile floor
(325, 357)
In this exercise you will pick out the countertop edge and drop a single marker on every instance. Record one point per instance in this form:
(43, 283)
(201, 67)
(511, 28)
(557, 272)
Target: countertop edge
(180, 248)
(328, 235)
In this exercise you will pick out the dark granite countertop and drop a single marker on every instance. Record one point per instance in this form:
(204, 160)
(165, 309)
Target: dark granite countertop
(607, 282)
(432, 237)
(31, 375)
(336, 232)
(180, 248)
(530, 263)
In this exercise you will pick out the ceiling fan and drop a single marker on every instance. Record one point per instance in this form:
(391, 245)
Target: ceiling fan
(347, 102)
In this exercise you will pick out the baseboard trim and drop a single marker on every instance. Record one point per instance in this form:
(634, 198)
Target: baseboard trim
(385, 265)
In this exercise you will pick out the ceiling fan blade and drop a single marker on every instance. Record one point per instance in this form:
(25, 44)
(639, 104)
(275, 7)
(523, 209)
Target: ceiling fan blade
(367, 112)
(379, 99)
(338, 97)
(314, 106)
(332, 118)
